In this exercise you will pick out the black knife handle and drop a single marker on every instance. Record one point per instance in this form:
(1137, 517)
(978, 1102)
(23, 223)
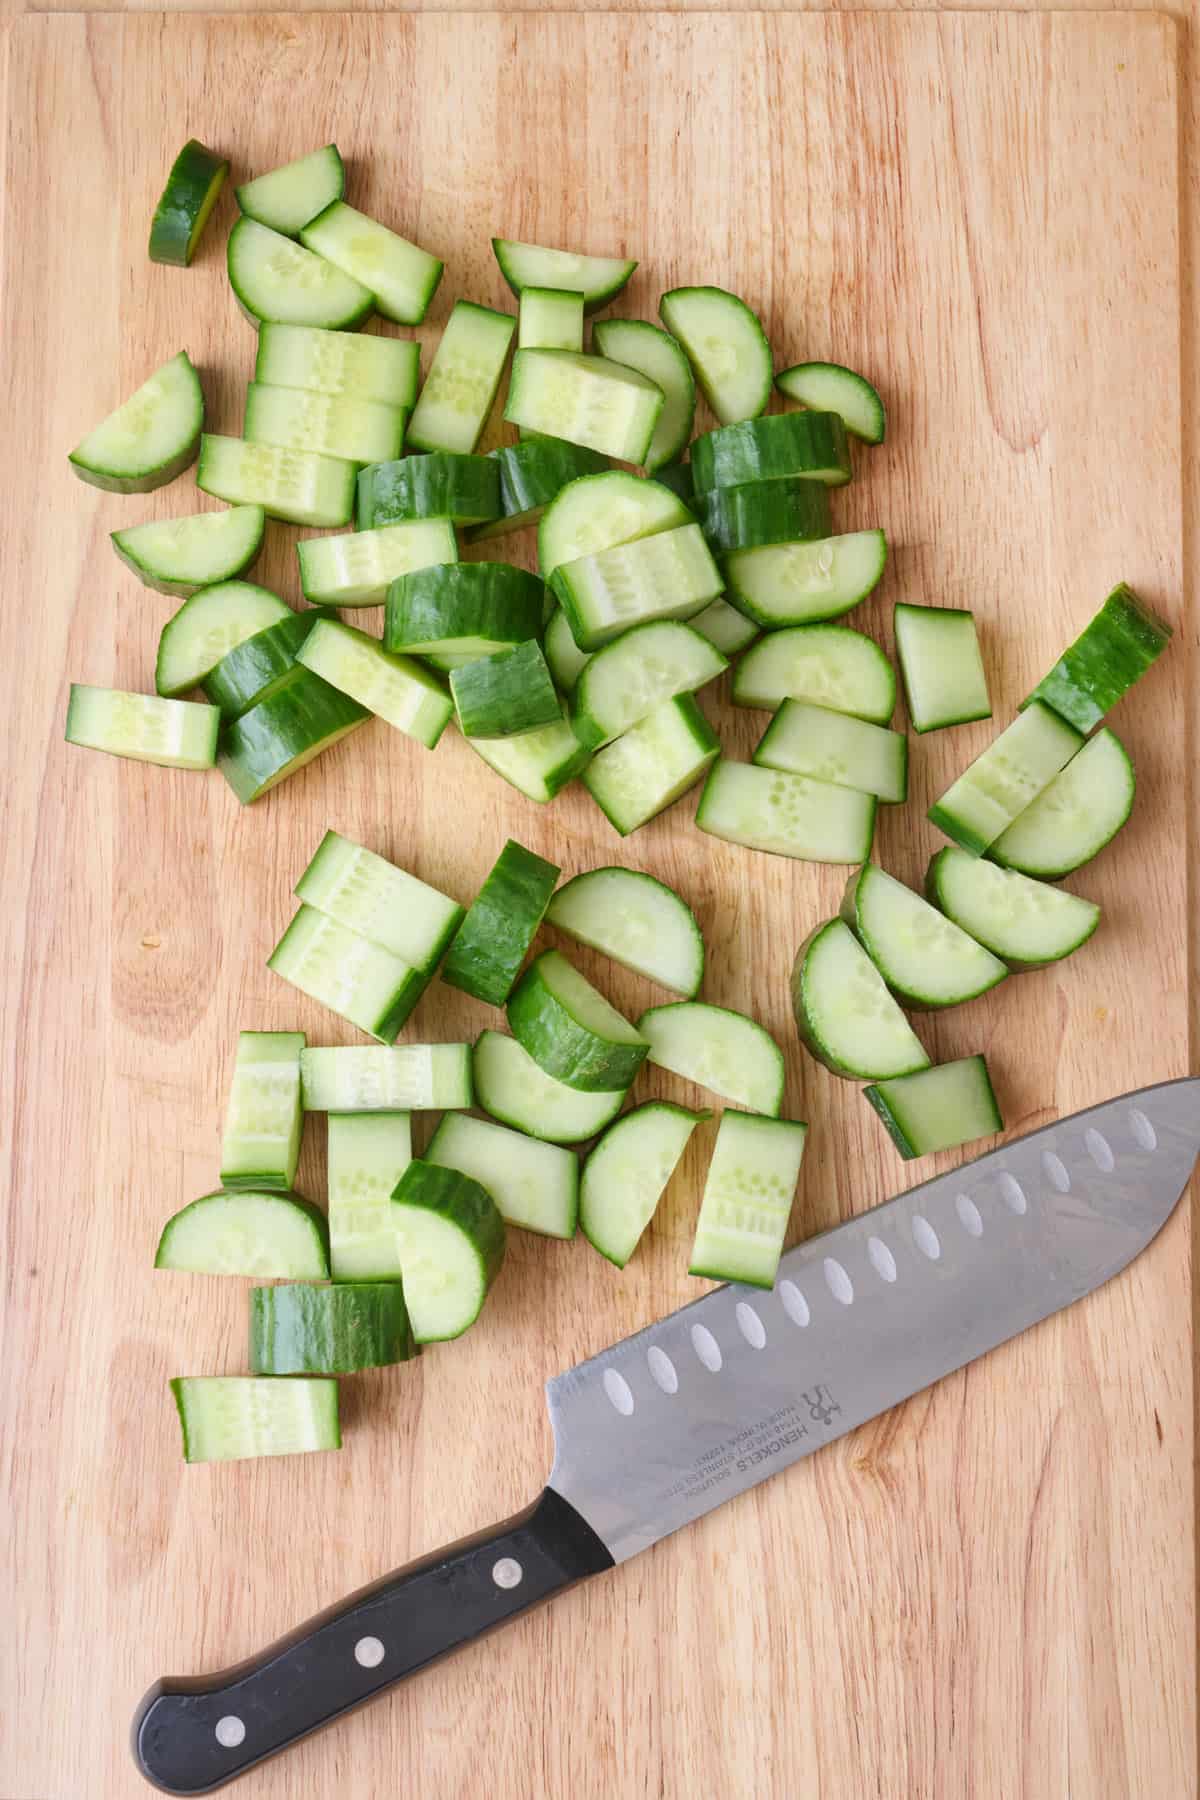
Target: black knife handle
(190, 1737)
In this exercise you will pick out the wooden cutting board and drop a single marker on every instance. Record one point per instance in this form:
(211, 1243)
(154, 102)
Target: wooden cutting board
(988, 1592)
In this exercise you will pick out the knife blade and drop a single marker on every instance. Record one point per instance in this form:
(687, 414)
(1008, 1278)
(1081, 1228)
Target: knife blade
(682, 1416)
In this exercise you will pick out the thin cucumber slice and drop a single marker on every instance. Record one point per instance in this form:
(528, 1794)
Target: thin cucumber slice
(655, 354)
(535, 1185)
(922, 955)
(178, 734)
(787, 511)
(368, 1153)
(345, 365)
(678, 477)
(532, 474)
(550, 319)
(300, 1330)
(831, 746)
(798, 584)
(358, 980)
(726, 346)
(598, 278)
(451, 1239)
(807, 444)
(296, 485)
(283, 731)
(280, 282)
(1005, 778)
(747, 1199)
(1025, 922)
(668, 576)
(150, 439)
(468, 608)
(394, 688)
(359, 568)
(539, 763)
(177, 556)
(208, 626)
(720, 1050)
(828, 665)
(360, 431)
(786, 815)
(494, 938)
(563, 655)
(196, 178)
(939, 1108)
(830, 387)
(626, 680)
(586, 400)
(257, 664)
(938, 652)
(1112, 652)
(373, 897)
(247, 1233)
(461, 385)
(226, 1418)
(1075, 815)
(368, 1078)
(726, 629)
(287, 198)
(844, 1013)
(638, 921)
(600, 511)
(444, 485)
(264, 1121)
(652, 765)
(570, 1029)
(505, 694)
(401, 277)
(512, 1088)
(626, 1174)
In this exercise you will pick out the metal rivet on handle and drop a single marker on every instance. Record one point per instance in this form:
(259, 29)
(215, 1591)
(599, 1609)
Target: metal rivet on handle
(229, 1732)
(368, 1652)
(507, 1573)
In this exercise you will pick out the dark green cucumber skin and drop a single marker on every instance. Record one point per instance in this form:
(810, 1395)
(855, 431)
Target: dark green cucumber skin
(299, 1329)
(956, 831)
(462, 1202)
(879, 1101)
(493, 940)
(469, 596)
(534, 1013)
(403, 1005)
(678, 477)
(933, 893)
(1089, 678)
(139, 484)
(246, 673)
(532, 473)
(765, 512)
(505, 694)
(441, 485)
(192, 174)
(263, 741)
(754, 449)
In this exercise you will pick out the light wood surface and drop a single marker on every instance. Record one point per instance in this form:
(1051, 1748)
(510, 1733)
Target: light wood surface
(990, 1591)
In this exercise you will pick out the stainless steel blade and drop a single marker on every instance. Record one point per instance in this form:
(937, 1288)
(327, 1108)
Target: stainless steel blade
(671, 1422)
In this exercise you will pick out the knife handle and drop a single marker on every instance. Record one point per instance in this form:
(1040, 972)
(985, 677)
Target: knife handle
(192, 1736)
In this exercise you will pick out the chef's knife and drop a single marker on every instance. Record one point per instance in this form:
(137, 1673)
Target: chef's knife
(728, 1390)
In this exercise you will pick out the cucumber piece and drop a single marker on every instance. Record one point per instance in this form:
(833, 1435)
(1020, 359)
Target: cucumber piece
(512, 1088)
(585, 400)
(328, 1330)
(468, 608)
(938, 652)
(1005, 778)
(373, 897)
(570, 1029)
(828, 665)
(763, 513)
(831, 746)
(786, 815)
(358, 980)
(360, 431)
(747, 1199)
(797, 584)
(651, 765)
(830, 387)
(668, 576)
(1025, 922)
(402, 277)
(922, 955)
(539, 763)
(598, 278)
(296, 485)
(494, 938)
(257, 664)
(718, 1049)
(283, 731)
(359, 568)
(247, 1233)
(535, 1185)
(280, 282)
(368, 1153)
(726, 346)
(678, 477)
(655, 354)
(811, 445)
(451, 1239)
(151, 438)
(394, 688)
(726, 629)
(178, 734)
(226, 1418)
(264, 1121)
(844, 1012)
(1112, 652)
(550, 319)
(177, 556)
(626, 1174)
(288, 197)
(563, 655)
(938, 1108)
(638, 921)
(345, 365)
(598, 512)
(461, 385)
(196, 178)
(505, 694)
(208, 626)
(638, 671)
(532, 474)
(443, 485)
(368, 1078)
(1075, 815)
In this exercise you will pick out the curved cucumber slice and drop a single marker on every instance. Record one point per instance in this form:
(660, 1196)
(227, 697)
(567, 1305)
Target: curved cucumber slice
(626, 680)
(287, 198)
(938, 652)
(359, 431)
(1025, 922)
(570, 1030)
(401, 277)
(394, 688)
(798, 584)
(195, 180)
(563, 655)
(830, 387)
(626, 1174)
(668, 576)
(748, 1199)
(532, 474)
(1107, 657)
(208, 626)
(328, 1330)
(726, 346)
(178, 734)
(368, 1078)
(247, 1234)
(1005, 778)
(151, 438)
(372, 896)
(844, 1012)
(1075, 815)
(586, 400)
(786, 815)
(538, 763)
(505, 694)
(828, 665)
(468, 608)
(655, 354)
(451, 1240)
(296, 485)
(461, 385)
(443, 485)
(535, 1185)
(938, 1109)
(726, 629)
(652, 765)
(639, 922)
(550, 319)
(922, 955)
(257, 664)
(368, 1153)
(177, 556)
(789, 510)
(283, 731)
(512, 1088)
(228, 1417)
(720, 1050)
(277, 280)
(600, 511)
(358, 980)
(494, 938)
(831, 746)
(345, 365)
(808, 444)
(264, 1120)
(359, 568)
(598, 278)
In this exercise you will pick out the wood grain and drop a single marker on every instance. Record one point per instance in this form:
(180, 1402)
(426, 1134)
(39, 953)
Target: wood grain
(990, 1591)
